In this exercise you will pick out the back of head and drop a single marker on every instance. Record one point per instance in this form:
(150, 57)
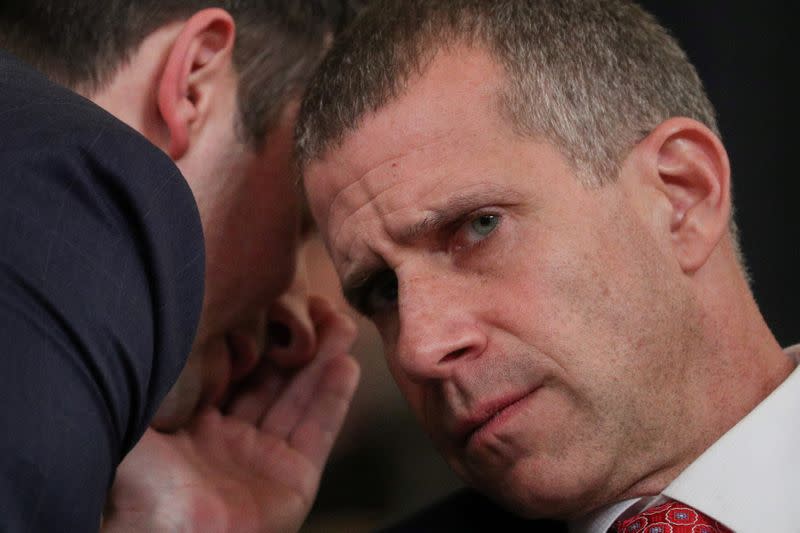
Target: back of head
(591, 76)
(83, 43)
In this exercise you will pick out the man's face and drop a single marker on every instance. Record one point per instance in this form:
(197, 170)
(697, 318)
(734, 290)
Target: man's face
(250, 211)
(528, 320)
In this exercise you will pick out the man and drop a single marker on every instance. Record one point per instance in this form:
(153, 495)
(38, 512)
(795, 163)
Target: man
(102, 283)
(531, 201)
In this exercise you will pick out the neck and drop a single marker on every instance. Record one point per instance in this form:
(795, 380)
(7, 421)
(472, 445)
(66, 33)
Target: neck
(746, 363)
(736, 364)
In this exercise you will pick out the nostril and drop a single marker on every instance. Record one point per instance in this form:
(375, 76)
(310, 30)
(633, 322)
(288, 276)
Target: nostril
(279, 335)
(455, 354)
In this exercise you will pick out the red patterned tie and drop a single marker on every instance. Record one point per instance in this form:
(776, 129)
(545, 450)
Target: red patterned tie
(671, 517)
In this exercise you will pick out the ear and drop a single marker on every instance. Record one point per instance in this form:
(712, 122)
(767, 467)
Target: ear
(689, 167)
(199, 58)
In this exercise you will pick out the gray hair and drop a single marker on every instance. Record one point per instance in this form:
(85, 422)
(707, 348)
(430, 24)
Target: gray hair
(593, 77)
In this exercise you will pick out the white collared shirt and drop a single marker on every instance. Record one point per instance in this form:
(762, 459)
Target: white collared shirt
(749, 480)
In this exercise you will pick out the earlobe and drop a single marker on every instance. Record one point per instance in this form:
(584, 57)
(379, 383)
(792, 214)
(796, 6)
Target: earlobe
(201, 52)
(694, 175)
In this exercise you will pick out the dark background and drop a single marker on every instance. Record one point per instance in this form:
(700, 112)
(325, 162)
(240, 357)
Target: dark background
(745, 56)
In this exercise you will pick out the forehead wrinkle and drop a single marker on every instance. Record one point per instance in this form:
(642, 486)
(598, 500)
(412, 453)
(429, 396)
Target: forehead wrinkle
(348, 242)
(411, 138)
(374, 230)
(345, 244)
(365, 250)
(380, 150)
(341, 198)
(367, 184)
(356, 268)
(392, 166)
(425, 160)
(369, 193)
(424, 211)
(427, 211)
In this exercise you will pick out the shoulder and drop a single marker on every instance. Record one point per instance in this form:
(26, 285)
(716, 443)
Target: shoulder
(102, 243)
(469, 511)
(43, 121)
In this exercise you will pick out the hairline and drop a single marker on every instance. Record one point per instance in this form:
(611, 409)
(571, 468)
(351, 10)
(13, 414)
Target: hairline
(429, 46)
(432, 47)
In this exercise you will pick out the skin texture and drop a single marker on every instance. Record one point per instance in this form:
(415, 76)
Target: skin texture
(548, 336)
(240, 442)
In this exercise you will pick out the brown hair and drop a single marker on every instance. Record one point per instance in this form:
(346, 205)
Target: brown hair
(82, 43)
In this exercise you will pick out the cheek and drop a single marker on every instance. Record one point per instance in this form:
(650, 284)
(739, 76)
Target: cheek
(266, 241)
(565, 300)
(607, 317)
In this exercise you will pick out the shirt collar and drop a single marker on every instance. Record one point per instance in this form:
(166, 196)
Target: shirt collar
(748, 478)
(601, 520)
(755, 462)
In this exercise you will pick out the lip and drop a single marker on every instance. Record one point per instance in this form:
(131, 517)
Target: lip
(490, 413)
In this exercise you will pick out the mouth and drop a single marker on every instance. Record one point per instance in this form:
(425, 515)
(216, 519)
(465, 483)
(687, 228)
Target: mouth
(489, 415)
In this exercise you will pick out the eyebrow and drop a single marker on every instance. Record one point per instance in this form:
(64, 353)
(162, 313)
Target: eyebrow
(355, 283)
(457, 207)
(435, 220)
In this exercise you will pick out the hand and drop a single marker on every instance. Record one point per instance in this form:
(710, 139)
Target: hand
(254, 467)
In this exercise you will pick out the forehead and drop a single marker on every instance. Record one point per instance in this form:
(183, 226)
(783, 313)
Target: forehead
(447, 111)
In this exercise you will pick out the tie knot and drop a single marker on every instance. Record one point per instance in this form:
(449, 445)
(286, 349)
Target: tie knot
(670, 517)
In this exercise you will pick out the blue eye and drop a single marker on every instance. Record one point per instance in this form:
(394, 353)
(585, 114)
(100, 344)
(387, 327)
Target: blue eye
(484, 224)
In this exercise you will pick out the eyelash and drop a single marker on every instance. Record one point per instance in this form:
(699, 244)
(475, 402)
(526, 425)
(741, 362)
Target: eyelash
(388, 279)
(464, 225)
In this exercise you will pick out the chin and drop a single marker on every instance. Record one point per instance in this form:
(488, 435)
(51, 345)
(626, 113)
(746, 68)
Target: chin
(535, 506)
(532, 492)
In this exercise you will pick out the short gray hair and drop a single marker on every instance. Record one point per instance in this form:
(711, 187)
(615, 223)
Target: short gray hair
(593, 77)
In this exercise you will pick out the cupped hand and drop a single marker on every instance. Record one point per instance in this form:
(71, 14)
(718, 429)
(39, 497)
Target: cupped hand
(253, 466)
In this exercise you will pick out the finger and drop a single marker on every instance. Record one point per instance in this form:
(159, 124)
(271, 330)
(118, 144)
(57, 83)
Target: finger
(336, 333)
(250, 399)
(334, 329)
(316, 430)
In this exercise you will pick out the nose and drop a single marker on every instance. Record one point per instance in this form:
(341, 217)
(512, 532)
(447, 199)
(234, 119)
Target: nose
(438, 328)
(291, 332)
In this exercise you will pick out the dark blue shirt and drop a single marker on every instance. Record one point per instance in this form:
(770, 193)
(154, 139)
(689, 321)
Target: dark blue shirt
(101, 280)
